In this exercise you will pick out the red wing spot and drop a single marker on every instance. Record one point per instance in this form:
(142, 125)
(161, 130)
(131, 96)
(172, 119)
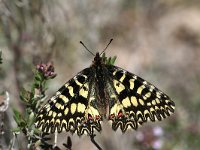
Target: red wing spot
(98, 117)
(90, 117)
(111, 116)
(120, 114)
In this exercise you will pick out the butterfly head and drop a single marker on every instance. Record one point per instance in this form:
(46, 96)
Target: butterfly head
(97, 59)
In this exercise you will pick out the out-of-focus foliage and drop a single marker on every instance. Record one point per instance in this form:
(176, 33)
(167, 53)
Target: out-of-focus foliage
(1, 57)
(32, 100)
(158, 40)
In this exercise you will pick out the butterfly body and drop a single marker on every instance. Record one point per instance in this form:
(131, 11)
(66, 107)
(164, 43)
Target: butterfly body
(99, 79)
(103, 92)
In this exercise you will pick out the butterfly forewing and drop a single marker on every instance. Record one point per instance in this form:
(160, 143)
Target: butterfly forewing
(70, 108)
(137, 100)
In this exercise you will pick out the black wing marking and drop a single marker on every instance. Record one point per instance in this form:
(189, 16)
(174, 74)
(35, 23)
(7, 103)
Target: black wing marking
(135, 100)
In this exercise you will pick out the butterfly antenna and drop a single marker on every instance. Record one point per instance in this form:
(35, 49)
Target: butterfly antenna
(86, 48)
(106, 46)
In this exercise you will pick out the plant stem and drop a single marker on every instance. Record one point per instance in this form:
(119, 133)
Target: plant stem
(94, 142)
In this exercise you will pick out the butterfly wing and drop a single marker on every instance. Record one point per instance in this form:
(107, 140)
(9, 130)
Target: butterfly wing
(134, 100)
(71, 107)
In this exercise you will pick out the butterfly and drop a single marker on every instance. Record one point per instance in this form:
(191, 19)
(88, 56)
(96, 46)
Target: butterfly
(103, 92)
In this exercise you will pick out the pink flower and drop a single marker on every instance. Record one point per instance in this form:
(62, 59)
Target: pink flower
(157, 131)
(157, 144)
(46, 69)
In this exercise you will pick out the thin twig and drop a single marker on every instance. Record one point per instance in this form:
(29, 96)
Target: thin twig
(55, 138)
(12, 142)
(68, 145)
(94, 142)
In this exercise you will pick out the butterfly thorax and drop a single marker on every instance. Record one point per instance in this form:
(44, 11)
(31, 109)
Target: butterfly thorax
(100, 84)
(97, 60)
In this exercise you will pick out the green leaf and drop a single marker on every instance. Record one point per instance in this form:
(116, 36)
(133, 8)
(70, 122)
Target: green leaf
(25, 95)
(113, 60)
(36, 130)
(21, 122)
(31, 119)
(16, 130)
(17, 116)
(110, 60)
(38, 76)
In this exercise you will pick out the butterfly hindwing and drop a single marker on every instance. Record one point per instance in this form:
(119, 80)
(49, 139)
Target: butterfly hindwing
(70, 108)
(137, 101)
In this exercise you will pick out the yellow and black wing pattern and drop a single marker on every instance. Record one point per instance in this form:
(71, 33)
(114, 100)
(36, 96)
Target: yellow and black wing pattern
(103, 91)
(135, 101)
(71, 108)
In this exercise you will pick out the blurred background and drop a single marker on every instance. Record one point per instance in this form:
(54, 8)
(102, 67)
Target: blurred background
(158, 40)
